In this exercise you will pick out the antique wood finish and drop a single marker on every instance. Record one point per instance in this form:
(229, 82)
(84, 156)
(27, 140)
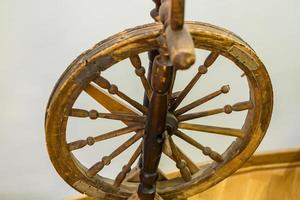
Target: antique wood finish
(205, 150)
(140, 71)
(180, 162)
(279, 170)
(161, 81)
(92, 171)
(92, 140)
(212, 129)
(113, 89)
(83, 75)
(179, 41)
(201, 70)
(126, 168)
(226, 109)
(225, 89)
(167, 150)
(177, 14)
(93, 114)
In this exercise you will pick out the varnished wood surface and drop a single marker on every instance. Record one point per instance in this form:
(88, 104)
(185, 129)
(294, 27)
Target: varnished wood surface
(179, 41)
(132, 42)
(267, 176)
(260, 184)
(161, 81)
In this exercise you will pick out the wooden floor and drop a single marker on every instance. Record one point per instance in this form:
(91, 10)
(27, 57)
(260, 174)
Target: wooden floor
(270, 176)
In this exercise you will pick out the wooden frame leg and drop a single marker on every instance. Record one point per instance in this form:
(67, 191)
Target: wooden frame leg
(161, 81)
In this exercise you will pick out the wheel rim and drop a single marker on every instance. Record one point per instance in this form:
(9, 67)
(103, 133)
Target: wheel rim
(139, 40)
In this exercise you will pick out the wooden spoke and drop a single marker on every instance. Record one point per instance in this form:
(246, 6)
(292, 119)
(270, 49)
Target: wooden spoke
(246, 105)
(226, 109)
(108, 102)
(166, 147)
(133, 175)
(205, 150)
(92, 140)
(107, 159)
(113, 89)
(127, 168)
(140, 72)
(190, 164)
(180, 163)
(224, 89)
(93, 114)
(212, 129)
(202, 70)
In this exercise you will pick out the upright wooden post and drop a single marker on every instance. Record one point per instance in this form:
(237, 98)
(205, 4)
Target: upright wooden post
(162, 73)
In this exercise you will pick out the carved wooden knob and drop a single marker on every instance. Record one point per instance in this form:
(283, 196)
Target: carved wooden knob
(90, 141)
(202, 69)
(102, 82)
(136, 61)
(93, 114)
(113, 89)
(228, 109)
(140, 71)
(225, 89)
(185, 172)
(106, 160)
(95, 169)
(207, 150)
(126, 169)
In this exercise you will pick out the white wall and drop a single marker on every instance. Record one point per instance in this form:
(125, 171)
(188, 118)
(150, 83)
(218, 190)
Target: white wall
(38, 39)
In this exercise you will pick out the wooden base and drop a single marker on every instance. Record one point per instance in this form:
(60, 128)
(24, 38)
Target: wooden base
(268, 176)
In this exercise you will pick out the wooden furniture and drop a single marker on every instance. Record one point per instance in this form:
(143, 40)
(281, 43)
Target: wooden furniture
(171, 45)
(265, 176)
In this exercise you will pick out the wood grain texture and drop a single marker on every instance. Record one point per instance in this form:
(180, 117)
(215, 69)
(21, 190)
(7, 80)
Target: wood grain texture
(140, 71)
(228, 109)
(205, 150)
(84, 69)
(266, 176)
(181, 164)
(161, 81)
(179, 41)
(126, 168)
(92, 171)
(177, 14)
(93, 114)
(210, 59)
(223, 90)
(212, 129)
(113, 89)
(92, 140)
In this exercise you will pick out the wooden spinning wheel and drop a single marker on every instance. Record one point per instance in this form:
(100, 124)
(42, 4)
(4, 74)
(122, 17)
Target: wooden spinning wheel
(85, 75)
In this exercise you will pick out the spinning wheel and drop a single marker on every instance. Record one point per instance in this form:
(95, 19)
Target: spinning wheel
(85, 75)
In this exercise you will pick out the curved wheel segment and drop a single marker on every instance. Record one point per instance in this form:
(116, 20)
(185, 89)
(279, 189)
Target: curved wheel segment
(183, 122)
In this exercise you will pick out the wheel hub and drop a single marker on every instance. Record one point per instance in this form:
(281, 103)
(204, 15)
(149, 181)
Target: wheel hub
(171, 123)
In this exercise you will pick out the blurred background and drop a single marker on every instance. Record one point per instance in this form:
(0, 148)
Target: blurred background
(39, 39)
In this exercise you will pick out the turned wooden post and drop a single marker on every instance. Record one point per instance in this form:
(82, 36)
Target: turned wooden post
(162, 72)
(151, 56)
